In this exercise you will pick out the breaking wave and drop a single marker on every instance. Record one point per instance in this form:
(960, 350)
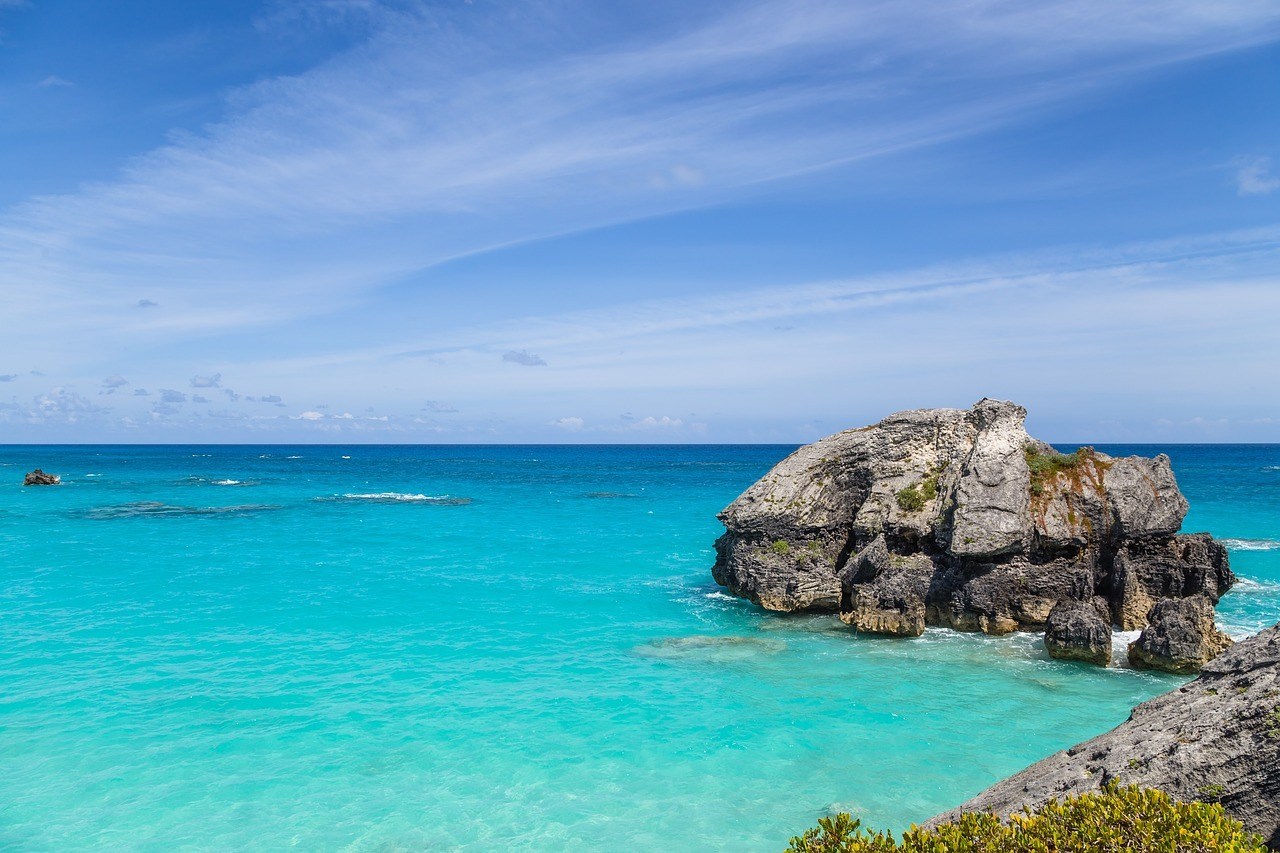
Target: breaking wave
(1252, 585)
(401, 497)
(1251, 544)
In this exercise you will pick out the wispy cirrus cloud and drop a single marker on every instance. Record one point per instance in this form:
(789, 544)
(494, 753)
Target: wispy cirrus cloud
(565, 128)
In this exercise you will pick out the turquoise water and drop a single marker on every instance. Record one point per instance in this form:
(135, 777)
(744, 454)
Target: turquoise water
(488, 648)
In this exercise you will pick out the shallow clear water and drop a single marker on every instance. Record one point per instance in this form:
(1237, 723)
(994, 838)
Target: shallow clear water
(490, 648)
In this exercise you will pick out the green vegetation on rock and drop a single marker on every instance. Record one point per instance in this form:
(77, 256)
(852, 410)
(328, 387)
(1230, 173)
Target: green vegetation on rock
(914, 497)
(910, 499)
(1113, 820)
(1273, 724)
(781, 547)
(1047, 466)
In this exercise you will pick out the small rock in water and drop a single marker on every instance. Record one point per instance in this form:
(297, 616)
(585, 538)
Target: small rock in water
(1079, 630)
(1180, 638)
(40, 478)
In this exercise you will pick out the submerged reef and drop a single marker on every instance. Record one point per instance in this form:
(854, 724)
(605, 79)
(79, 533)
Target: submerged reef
(958, 518)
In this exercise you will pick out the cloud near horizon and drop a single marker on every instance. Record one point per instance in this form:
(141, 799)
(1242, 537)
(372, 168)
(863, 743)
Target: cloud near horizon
(524, 357)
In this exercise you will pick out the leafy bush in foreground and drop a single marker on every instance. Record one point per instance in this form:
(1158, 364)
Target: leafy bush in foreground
(1113, 820)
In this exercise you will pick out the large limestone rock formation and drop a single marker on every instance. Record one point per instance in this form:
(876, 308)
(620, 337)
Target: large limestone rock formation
(959, 519)
(40, 478)
(1216, 739)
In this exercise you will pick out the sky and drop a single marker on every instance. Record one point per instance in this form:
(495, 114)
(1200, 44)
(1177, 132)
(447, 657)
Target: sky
(346, 221)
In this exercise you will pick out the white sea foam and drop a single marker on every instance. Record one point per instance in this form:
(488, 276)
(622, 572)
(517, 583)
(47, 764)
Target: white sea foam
(402, 497)
(227, 482)
(1251, 544)
(390, 496)
(293, 457)
(1253, 585)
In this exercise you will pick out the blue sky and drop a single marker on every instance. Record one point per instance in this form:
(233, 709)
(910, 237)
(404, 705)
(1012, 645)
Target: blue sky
(351, 220)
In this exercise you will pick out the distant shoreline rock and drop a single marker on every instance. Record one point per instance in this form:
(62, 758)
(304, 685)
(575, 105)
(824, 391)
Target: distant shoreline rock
(40, 478)
(959, 519)
(1215, 739)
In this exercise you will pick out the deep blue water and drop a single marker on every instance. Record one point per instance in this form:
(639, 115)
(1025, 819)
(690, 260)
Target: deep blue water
(409, 648)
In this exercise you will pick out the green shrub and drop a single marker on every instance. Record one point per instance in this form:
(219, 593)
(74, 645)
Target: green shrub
(929, 487)
(914, 497)
(1113, 820)
(911, 499)
(781, 547)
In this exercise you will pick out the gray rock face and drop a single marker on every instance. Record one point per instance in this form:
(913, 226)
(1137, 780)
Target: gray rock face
(40, 478)
(959, 519)
(1181, 637)
(1215, 739)
(1079, 630)
(991, 510)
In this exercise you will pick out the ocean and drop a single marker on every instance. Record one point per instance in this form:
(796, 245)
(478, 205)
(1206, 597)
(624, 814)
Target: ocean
(492, 648)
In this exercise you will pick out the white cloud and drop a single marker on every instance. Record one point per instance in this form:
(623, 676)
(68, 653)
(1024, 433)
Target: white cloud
(168, 395)
(62, 405)
(53, 81)
(308, 416)
(524, 357)
(572, 424)
(663, 422)
(213, 381)
(1254, 176)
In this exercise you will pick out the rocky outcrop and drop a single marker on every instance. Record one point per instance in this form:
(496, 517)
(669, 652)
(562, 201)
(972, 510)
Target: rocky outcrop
(1079, 630)
(1181, 637)
(959, 519)
(40, 478)
(1215, 739)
